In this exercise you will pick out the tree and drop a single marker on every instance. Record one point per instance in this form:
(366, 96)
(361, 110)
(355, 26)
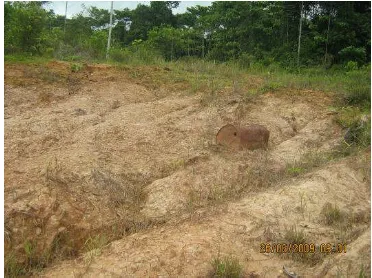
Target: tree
(24, 23)
(78, 30)
(99, 17)
(144, 18)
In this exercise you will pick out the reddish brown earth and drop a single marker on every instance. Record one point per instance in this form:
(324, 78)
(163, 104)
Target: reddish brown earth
(110, 153)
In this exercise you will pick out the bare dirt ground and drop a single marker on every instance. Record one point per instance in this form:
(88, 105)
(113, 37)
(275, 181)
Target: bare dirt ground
(109, 175)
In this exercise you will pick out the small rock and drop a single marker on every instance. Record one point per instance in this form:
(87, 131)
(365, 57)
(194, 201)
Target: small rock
(38, 231)
(79, 112)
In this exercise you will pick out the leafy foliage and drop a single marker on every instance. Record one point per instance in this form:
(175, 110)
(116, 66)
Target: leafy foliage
(24, 25)
(247, 32)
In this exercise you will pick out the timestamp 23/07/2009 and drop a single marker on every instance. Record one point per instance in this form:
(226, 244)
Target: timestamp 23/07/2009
(282, 248)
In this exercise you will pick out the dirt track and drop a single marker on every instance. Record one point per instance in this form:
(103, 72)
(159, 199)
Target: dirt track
(99, 153)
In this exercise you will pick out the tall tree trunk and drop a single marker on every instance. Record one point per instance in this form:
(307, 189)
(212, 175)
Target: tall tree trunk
(326, 46)
(299, 36)
(287, 31)
(172, 48)
(110, 28)
(188, 44)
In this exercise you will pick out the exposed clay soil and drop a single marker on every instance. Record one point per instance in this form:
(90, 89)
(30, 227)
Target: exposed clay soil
(100, 152)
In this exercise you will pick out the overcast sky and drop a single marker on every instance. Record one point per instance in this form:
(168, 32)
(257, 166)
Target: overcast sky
(75, 7)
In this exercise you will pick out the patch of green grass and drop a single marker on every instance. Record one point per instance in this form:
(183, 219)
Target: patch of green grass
(12, 268)
(347, 115)
(135, 55)
(332, 214)
(357, 125)
(294, 236)
(93, 246)
(356, 83)
(362, 272)
(227, 267)
(295, 171)
(308, 162)
(271, 86)
(359, 133)
(76, 67)
(315, 159)
(29, 250)
(358, 94)
(209, 78)
(25, 59)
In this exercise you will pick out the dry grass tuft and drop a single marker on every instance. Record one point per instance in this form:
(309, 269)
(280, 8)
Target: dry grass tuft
(93, 247)
(55, 174)
(226, 267)
(294, 236)
(332, 215)
(121, 189)
(45, 97)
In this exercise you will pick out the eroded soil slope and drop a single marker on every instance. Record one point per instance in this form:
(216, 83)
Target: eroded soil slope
(104, 154)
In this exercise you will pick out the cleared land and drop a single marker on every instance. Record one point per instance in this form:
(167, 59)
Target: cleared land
(114, 171)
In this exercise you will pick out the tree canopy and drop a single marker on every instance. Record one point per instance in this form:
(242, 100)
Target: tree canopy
(265, 32)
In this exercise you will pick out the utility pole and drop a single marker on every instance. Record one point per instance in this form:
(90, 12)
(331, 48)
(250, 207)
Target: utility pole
(299, 36)
(203, 45)
(110, 28)
(64, 28)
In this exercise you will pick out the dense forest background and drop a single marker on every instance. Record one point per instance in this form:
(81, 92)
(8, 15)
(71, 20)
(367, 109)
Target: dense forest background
(288, 34)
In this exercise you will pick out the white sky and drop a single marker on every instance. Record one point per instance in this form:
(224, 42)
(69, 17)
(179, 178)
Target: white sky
(74, 7)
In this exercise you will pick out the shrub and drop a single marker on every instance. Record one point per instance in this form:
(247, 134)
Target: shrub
(119, 55)
(351, 53)
(331, 214)
(245, 60)
(137, 53)
(358, 94)
(359, 133)
(351, 65)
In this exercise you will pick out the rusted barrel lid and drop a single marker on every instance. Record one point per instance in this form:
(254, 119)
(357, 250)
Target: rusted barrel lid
(228, 135)
(250, 137)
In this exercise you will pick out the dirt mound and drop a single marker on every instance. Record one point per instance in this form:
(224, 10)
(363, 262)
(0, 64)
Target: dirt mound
(93, 156)
(240, 228)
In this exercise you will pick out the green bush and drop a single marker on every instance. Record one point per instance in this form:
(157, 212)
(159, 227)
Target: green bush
(358, 89)
(245, 60)
(97, 44)
(351, 65)
(119, 55)
(359, 94)
(137, 53)
(359, 133)
(76, 67)
(351, 53)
